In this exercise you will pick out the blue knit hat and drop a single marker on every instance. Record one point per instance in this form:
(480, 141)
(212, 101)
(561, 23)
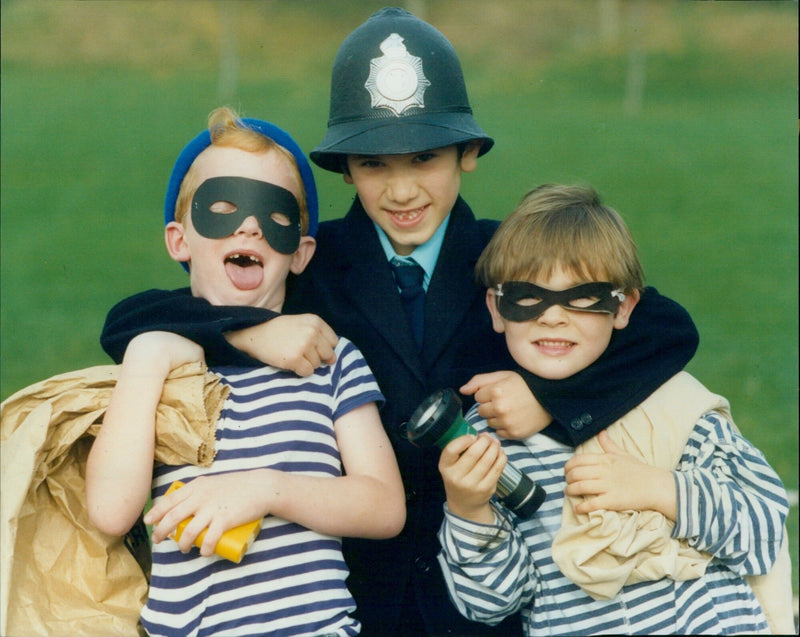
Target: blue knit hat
(279, 136)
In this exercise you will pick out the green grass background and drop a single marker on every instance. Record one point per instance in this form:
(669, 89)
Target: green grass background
(99, 97)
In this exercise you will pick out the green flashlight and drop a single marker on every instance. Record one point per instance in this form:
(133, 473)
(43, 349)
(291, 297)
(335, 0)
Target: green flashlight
(438, 420)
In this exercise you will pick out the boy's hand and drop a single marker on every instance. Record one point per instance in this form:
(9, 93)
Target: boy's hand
(295, 342)
(618, 482)
(470, 468)
(507, 404)
(218, 502)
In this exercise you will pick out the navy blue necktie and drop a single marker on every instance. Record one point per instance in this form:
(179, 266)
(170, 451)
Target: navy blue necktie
(409, 278)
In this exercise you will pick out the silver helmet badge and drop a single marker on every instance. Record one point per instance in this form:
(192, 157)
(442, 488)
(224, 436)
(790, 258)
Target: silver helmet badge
(396, 80)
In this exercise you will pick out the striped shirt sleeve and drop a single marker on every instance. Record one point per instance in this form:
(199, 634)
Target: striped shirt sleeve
(488, 566)
(353, 382)
(731, 503)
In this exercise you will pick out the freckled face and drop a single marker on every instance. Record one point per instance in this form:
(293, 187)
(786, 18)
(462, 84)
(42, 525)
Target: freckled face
(241, 269)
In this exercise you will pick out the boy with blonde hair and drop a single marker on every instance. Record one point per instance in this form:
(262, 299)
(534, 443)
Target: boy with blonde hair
(651, 528)
(308, 454)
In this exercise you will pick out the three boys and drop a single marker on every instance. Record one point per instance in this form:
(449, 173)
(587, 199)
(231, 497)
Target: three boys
(401, 130)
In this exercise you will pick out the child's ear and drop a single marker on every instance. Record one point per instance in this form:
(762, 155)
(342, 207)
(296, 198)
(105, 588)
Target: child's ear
(469, 158)
(348, 179)
(491, 302)
(303, 254)
(625, 309)
(175, 238)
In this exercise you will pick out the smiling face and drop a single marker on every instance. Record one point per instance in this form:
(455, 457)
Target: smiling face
(410, 195)
(560, 342)
(242, 268)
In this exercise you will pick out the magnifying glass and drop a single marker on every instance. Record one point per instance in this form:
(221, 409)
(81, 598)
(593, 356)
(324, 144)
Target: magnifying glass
(438, 420)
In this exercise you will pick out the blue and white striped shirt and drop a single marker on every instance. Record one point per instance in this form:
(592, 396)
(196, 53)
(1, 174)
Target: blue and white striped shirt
(292, 579)
(730, 503)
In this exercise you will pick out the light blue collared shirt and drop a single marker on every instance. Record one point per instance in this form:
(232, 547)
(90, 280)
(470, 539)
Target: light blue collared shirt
(426, 255)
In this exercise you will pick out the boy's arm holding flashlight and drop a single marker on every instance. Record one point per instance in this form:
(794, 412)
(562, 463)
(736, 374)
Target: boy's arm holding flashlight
(482, 549)
(470, 467)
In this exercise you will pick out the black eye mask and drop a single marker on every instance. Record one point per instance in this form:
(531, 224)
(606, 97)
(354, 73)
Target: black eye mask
(250, 197)
(522, 301)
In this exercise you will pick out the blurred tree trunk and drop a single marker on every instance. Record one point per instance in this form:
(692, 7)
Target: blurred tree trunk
(636, 76)
(228, 81)
(609, 26)
(608, 17)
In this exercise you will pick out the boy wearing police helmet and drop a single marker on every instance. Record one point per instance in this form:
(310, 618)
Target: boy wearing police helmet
(401, 130)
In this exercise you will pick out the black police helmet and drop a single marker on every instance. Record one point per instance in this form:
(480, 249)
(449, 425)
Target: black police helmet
(396, 87)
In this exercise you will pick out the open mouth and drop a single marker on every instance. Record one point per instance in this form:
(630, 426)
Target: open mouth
(246, 271)
(244, 260)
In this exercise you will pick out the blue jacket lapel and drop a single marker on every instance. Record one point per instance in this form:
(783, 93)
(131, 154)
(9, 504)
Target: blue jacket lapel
(370, 287)
(452, 289)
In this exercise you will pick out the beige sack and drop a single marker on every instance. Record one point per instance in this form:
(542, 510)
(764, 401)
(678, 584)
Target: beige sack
(60, 575)
(605, 550)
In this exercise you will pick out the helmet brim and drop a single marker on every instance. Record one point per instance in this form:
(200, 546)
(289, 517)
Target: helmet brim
(395, 136)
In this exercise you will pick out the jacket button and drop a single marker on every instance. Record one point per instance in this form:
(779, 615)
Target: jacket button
(402, 431)
(580, 423)
(411, 495)
(422, 565)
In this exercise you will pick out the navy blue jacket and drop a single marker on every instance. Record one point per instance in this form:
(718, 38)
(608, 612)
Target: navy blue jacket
(349, 284)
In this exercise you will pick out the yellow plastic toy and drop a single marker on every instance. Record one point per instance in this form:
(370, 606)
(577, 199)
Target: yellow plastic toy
(234, 542)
